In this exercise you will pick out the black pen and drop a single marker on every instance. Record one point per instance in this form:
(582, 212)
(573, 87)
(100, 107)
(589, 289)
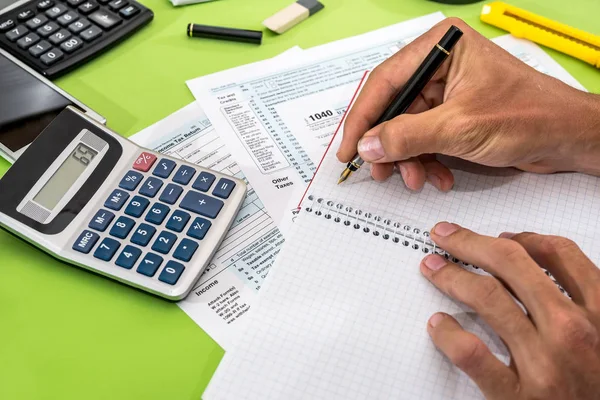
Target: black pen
(412, 88)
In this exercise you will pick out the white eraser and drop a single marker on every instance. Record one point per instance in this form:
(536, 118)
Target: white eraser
(292, 15)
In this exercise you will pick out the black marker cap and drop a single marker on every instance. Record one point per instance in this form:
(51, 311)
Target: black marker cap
(450, 38)
(221, 33)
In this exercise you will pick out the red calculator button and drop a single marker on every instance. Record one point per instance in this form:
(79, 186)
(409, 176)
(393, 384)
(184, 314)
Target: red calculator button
(144, 162)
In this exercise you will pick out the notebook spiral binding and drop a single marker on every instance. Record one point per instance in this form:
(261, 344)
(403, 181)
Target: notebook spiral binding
(394, 231)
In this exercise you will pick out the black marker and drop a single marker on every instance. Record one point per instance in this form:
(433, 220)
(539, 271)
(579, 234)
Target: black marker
(412, 88)
(217, 32)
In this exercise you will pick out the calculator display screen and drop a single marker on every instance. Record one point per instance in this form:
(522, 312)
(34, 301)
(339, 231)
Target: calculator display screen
(65, 176)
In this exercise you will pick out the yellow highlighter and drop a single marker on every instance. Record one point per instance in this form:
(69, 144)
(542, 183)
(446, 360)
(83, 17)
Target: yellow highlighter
(544, 31)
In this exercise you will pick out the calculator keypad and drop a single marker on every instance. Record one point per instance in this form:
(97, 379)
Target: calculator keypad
(151, 186)
(137, 206)
(116, 199)
(28, 40)
(204, 181)
(164, 242)
(201, 204)
(199, 228)
(150, 264)
(37, 21)
(171, 273)
(66, 26)
(143, 234)
(128, 257)
(122, 227)
(107, 249)
(157, 237)
(101, 220)
(86, 241)
(157, 214)
(171, 193)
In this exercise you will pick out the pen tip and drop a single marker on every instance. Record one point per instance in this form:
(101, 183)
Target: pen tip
(344, 176)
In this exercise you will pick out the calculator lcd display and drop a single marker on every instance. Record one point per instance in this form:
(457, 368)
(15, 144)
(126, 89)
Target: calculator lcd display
(65, 176)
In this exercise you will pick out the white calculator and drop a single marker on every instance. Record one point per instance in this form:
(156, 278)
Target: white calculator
(96, 200)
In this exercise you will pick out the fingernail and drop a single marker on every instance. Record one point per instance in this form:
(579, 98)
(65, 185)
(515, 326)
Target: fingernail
(507, 235)
(404, 172)
(370, 148)
(435, 181)
(434, 262)
(445, 229)
(436, 319)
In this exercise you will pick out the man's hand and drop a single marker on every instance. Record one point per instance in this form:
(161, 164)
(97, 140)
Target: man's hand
(482, 105)
(555, 347)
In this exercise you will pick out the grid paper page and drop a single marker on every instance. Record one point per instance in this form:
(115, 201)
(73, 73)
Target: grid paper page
(343, 313)
(344, 317)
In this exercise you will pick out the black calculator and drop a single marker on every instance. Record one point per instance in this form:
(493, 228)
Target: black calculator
(55, 36)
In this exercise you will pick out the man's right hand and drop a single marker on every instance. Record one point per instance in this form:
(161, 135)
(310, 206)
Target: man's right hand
(483, 105)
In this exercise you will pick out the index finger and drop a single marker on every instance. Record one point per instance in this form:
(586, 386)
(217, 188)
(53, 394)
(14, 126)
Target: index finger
(384, 83)
(508, 261)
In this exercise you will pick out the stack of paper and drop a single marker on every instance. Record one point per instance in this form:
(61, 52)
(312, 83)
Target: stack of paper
(317, 330)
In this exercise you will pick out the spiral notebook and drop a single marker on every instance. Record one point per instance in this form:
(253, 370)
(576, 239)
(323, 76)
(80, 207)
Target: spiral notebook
(343, 314)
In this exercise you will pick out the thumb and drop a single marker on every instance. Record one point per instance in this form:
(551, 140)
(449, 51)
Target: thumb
(408, 135)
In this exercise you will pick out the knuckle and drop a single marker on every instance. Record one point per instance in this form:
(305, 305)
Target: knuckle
(455, 21)
(544, 383)
(485, 294)
(574, 331)
(507, 250)
(393, 140)
(551, 246)
(468, 353)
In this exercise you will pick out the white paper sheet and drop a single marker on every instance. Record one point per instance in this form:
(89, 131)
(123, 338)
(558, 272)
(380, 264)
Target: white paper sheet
(277, 116)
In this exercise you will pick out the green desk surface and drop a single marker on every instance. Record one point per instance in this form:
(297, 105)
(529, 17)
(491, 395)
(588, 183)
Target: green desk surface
(69, 334)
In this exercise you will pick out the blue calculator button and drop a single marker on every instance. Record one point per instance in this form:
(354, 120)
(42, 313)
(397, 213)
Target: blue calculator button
(131, 180)
(128, 257)
(151, 186)
(164, 242)
(224, 188)
(164, 168)
(185, 250)
(201, 204)
(107, 249)
(86, 241)
(143, 234)
(199, 228)
(204, 181)
(171, 193)
(137, 206)
(184, 175)
(122, 227)
(157, 214)
(101, 220)
(116, 199)
(149, 264)
(171, 273)
(178, 221)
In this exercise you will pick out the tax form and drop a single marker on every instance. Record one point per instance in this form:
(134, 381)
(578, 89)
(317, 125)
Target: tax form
(224, 292)
(278, 116)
